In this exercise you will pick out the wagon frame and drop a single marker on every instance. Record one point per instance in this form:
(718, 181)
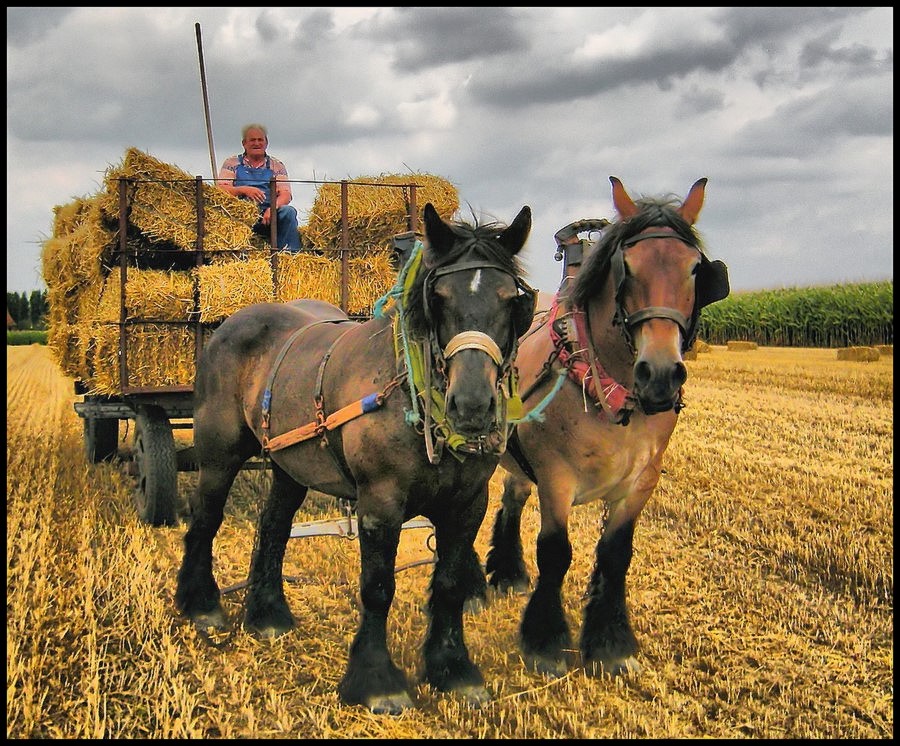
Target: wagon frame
(155, 461)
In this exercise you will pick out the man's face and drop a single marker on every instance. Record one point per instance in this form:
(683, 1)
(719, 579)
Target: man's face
(255, 142)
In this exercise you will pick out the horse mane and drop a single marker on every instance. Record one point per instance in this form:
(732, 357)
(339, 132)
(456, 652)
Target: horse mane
(652, 213)
(480, 238)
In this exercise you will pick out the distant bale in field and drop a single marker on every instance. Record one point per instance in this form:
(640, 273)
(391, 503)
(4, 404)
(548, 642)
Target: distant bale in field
(858, 354)
(696, 348)
(885, 350)
(735, 345)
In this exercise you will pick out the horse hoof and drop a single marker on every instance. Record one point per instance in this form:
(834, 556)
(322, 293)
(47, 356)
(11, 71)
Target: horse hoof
(269, 633)
(554, 668)
(390, 704)
(474, 695)
(511, 588)
(613, 668)
(214, 619)
(475, 605)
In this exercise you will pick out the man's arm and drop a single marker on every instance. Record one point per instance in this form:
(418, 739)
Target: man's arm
(225, 179)
(283, 193)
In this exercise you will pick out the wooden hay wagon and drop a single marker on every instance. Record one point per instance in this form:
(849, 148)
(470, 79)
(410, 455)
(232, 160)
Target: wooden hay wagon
(135, 359)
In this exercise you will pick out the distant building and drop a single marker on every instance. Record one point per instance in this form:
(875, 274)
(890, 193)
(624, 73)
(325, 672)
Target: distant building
(10, 321)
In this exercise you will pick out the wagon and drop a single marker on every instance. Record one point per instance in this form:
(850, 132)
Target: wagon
(156, 411)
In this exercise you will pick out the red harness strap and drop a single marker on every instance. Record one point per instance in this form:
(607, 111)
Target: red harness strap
(573, 343)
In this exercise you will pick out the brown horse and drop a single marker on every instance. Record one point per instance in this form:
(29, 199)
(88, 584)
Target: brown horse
(341, 407)
(601, 375)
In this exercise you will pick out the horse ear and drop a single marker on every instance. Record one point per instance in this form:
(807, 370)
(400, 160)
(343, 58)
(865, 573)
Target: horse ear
(623, 203)
(690, 208)
(515, 236)
(440, 236)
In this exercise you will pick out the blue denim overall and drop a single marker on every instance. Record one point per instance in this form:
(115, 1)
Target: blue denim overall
(245, 175)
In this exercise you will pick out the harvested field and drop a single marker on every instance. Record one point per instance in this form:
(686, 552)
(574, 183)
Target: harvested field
(761, 586)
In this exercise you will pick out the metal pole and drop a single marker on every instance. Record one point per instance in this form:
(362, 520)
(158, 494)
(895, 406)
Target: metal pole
(209, 137)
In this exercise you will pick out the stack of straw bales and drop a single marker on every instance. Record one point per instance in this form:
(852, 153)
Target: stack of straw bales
(170, 297)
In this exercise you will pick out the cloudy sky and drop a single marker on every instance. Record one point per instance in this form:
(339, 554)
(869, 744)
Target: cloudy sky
(788, 112)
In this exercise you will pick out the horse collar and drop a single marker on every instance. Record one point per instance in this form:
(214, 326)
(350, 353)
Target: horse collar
(572, 342)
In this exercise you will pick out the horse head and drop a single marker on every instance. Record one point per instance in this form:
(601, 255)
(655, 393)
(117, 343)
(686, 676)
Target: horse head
(657, 278)
(469, 305)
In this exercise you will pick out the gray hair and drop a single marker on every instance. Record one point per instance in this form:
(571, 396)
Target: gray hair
(253, 126)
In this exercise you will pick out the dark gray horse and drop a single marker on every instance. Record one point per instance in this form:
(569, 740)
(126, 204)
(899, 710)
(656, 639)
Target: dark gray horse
(329, 399)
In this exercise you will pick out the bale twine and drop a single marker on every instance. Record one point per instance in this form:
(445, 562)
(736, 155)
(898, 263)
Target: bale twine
(858, 354)
(740, 345)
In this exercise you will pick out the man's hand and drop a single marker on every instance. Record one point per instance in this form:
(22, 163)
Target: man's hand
(252, 193)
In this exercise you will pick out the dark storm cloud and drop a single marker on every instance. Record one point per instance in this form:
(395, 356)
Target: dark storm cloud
(811, 125)
(660, 63)
(427, 37)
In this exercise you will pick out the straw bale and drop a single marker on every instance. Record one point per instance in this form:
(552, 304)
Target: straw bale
(735, 345)
(318, 276)
(700, 346)
(375, 213)
(149, 294)
(226, 288)
(885, 350)
(62, 305)
(76, 258)
(71, 216)
(858, 354)
(157, 354)
(64, 342)
(371, 276)
(163, 205)
(305, 275)
(690, 354)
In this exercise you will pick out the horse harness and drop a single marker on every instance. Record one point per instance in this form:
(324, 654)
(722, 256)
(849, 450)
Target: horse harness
(418, 361)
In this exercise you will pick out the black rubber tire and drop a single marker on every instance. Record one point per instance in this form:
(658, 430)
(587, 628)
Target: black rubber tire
(156, 491)
(101, 439)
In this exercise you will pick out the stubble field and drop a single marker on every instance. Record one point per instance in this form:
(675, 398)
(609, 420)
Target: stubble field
(761, 588)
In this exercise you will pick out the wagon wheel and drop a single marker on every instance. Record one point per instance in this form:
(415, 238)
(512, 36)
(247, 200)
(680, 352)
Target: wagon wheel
(156, 468)
(101, 439)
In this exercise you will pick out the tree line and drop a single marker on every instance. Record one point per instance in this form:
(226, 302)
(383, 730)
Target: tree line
(29, 310)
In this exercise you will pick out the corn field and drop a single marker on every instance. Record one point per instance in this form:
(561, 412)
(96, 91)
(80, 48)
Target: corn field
(761, 587)
(833, 316)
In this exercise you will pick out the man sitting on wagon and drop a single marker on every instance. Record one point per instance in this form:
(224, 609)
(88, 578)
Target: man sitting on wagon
(248, 175)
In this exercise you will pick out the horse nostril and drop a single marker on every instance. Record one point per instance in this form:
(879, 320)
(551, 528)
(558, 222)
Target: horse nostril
(642, 374)
(470, 412)
(679, 375)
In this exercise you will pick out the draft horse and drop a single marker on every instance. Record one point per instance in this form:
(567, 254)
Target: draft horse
(341, 406)
(601, 376)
